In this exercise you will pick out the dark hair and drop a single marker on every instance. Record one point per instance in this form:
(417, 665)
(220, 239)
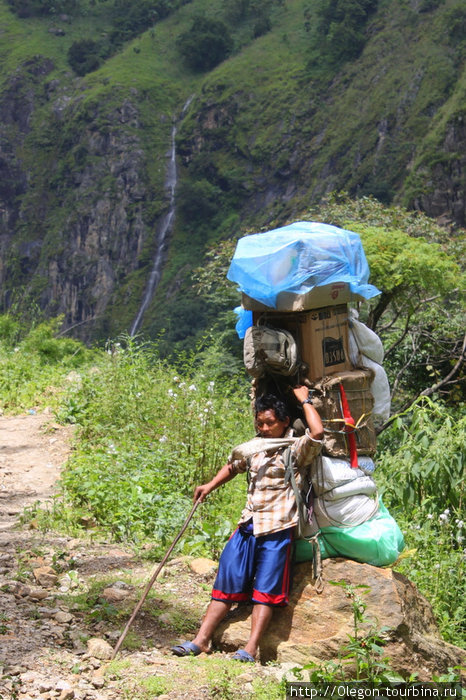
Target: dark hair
(269, 402)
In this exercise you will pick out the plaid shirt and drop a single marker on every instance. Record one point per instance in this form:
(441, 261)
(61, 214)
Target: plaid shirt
(270, 502)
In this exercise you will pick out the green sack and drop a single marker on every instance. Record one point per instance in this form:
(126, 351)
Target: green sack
(379, 541)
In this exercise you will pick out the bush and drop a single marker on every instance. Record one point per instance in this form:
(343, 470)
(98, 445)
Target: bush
(340, 29)
(206, 44)
(424, 458)
(148, 437)
(38, 8)
(34, 363)
(84, 56)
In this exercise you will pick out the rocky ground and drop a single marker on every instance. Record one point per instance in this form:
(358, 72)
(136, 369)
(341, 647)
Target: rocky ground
(65, 601)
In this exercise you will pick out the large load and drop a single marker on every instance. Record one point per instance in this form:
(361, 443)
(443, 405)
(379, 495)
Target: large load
(296, 284)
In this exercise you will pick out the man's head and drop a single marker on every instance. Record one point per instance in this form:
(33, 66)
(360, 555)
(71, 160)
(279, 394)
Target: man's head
(272, 416)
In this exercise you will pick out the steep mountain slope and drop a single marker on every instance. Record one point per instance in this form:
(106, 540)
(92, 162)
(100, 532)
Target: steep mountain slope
(282, 121)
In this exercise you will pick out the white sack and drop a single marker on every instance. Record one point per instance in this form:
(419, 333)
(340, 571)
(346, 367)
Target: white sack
(353, 349)
(368, 342)
(329, 472)
(380, 390)
(353, 510)
(363, 485)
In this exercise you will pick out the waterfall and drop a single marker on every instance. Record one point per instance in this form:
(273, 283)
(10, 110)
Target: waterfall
(165, 227)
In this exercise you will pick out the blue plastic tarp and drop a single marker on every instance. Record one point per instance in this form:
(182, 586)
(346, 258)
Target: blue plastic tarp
(298, 257)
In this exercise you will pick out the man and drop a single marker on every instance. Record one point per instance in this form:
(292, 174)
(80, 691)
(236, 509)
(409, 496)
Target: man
(255, 563)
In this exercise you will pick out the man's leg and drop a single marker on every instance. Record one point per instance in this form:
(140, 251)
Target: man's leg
(215, 613)
(271, 584)
(234, 575)
(261, 616)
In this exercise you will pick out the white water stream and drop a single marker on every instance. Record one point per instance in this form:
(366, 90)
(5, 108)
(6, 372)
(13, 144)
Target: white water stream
(165, 227)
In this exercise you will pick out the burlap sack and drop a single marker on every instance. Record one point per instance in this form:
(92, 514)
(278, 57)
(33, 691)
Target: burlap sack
(326, 399)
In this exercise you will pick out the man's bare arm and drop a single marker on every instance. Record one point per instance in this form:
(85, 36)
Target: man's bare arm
(312, 417)
(226, 473)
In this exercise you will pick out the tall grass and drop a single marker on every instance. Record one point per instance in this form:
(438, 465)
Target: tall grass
(149, 433)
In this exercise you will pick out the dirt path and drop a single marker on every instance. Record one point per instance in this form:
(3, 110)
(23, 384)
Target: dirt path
(57, 593)
(32, 450)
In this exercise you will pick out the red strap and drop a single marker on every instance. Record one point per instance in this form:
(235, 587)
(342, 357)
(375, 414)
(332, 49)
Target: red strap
(349, 428)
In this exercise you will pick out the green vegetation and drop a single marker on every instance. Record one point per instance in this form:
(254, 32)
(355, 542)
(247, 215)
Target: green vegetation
(422, 465)
(339, 31)
(205, 44)
(307, 97)
(149, 431)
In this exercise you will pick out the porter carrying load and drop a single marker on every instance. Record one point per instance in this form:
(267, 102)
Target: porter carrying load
(296, 284)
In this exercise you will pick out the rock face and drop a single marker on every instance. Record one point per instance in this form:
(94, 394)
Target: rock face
(313, 628)
(86, 188)
(442, 185)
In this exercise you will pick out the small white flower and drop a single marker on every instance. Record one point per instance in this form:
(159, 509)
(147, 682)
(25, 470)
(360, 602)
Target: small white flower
(447, 511)
(429, 516)
(163, 438)
(210, 386)
(460, 539)
(176, 379)
(443, 517)
(16, 350)
(172, 393)
(436, 566)
(192, 387)
(182, 384)
(209, 403)
(138, 395)
(460, 524)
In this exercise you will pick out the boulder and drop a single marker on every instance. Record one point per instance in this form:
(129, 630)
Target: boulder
(99, 648)
(113, 594)
(45, 576)
(313, 627)
(203, 566)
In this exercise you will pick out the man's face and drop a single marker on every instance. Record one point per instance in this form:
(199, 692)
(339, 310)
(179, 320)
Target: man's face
(269, 426)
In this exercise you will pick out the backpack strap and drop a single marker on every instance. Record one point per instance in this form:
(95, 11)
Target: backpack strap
(289, 461)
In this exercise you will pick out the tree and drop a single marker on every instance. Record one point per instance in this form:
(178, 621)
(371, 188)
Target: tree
(340, 29)
(84, 56)
(205, 44)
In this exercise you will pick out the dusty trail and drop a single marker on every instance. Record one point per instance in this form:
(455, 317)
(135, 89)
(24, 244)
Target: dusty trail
(32, 450)
(44, 647)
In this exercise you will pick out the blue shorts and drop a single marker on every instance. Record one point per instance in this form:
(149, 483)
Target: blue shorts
(255, 568)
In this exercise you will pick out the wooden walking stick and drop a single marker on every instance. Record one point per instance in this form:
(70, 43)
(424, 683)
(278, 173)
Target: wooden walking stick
(154, 576)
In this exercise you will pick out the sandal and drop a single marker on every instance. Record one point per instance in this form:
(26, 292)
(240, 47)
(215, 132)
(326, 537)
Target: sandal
(186, 649)
(243, 655)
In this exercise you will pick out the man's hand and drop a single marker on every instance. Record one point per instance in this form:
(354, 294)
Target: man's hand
(301, 393)
(201, 492)
(310, 414)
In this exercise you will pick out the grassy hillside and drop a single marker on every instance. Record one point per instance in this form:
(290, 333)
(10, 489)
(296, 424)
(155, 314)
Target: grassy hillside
(370, 102)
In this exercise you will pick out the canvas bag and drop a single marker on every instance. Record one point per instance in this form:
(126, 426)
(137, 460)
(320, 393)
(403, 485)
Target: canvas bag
(270, 350)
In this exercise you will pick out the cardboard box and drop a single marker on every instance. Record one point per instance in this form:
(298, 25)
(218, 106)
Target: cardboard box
(322, 336)
(324, 341)
(326, 295)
